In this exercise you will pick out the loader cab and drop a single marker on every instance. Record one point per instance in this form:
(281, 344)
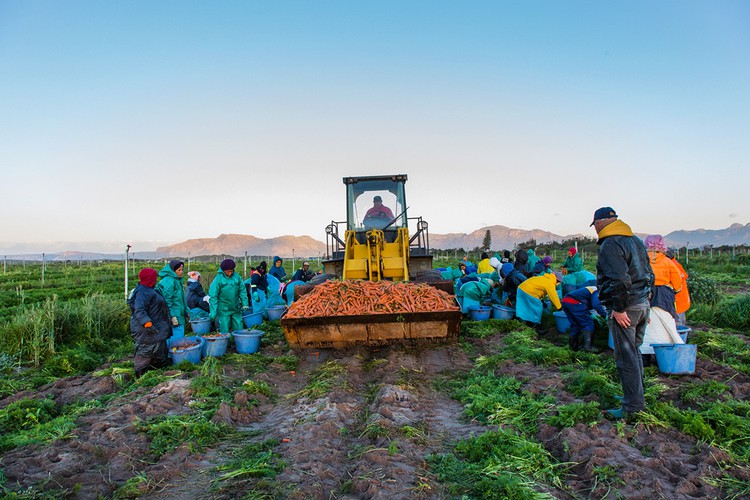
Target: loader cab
(375, 203)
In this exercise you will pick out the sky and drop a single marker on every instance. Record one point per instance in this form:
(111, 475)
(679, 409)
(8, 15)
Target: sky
(154, 122)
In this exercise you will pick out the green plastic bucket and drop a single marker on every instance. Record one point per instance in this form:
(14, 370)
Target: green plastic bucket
(676, 359)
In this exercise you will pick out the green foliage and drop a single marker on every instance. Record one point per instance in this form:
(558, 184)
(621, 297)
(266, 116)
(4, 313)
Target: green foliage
(27, 413)
(168, 432)
(497, 465)
(575, 413)
(700, 391)
(255, 460)
(703, 289)
(723, 348)
(257, 387)
(734, 313)
(594, 380)
(135, 487)
(482, 329)
(323, 379)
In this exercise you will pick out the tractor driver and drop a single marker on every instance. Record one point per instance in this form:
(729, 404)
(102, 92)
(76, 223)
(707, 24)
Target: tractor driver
(378, 215)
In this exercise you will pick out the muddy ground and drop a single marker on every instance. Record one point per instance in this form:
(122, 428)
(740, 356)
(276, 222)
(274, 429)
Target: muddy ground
(348, 441)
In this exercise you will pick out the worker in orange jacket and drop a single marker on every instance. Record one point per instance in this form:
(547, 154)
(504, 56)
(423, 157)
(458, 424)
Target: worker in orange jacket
(667, 279)
(682, 298)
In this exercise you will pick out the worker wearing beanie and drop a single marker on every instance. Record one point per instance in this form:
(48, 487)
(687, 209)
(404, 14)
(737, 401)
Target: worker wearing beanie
(573, 262)
(170, 287)
(228, 298)
(150, 324)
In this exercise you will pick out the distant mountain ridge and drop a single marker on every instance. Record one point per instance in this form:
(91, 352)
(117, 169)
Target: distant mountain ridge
(502, 237)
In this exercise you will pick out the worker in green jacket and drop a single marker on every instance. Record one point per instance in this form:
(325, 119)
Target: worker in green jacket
(170, 287)
(573, 264)
(228, 298)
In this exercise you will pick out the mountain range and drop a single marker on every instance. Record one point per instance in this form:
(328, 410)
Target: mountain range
(502, 237)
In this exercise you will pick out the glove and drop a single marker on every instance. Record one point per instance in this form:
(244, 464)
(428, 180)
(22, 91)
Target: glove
(255, 297)
(206, 298)
(148, 324)
(175, 321)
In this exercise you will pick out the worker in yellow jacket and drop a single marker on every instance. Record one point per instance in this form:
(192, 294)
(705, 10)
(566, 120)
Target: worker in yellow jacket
(532, 292)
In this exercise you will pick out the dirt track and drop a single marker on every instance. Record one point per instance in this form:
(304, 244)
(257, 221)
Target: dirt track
(366, 436)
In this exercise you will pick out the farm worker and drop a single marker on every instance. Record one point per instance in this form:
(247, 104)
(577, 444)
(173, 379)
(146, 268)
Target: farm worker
(624, 278)
(531, 293)
(257, 286)
(522, 260)
(276, 269)
(506, 257)
(484, 266)
(667, 278)
(273, 293)
(462, 267)
(197, 300)
(512, 277)
(474, 293)
(170, 287)
(303, 273)
(542, 266)
(573, 262)
(577, 306)
(150, 324)
(532, 260)
(681, 298)
(228, 297)
(378, 215)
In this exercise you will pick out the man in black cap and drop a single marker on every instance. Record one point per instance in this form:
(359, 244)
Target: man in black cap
(624, 279)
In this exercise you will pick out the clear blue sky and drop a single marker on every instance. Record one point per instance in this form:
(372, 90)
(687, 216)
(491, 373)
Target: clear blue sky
(153, 122)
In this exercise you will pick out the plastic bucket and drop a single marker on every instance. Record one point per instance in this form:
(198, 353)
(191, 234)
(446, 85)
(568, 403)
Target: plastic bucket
(201, 326)
(185, 349)
(503, 312)
(480, 313)
(676, 359)
(561, 320)
(247, 341)
(215, 346)
(275, 312)
(683, 332)
(251, 319)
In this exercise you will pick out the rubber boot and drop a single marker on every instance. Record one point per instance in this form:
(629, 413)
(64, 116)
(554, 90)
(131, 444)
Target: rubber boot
(573, 342)
(587, 342)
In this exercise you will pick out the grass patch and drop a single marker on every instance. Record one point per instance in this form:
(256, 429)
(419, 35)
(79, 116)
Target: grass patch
(575, 413)
(322, 380)
(168, 432)
(483, 329)
(701, 391)
(252, 461)
(498, 465)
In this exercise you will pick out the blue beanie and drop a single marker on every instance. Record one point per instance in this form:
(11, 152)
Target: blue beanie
(506, 269)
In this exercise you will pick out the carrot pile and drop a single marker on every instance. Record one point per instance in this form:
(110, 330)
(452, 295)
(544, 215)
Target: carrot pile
(354, 297)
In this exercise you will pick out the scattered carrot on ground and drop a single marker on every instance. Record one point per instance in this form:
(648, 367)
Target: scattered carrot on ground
(355, 297)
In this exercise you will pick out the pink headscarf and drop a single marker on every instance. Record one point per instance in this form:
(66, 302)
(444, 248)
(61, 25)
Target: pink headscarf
(194, 275)
(655, 242)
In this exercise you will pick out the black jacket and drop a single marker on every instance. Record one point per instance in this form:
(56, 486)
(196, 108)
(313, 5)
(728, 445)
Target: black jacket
(511, 282)
(522, 258)
(302, 275)
(195, 296)
(623, 273)
(147, 304)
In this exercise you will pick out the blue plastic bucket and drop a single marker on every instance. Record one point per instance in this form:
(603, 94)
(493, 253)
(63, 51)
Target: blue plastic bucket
(251, 319)
(480, 313)
(275, 312)
(215, 346)
(676, 359)
(683, 332)
(561, 320)
(185, 349)
(247, 341)
(503, 312)
(201, 326)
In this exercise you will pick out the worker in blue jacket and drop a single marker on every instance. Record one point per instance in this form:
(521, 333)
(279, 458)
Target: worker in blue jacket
(577, 306)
